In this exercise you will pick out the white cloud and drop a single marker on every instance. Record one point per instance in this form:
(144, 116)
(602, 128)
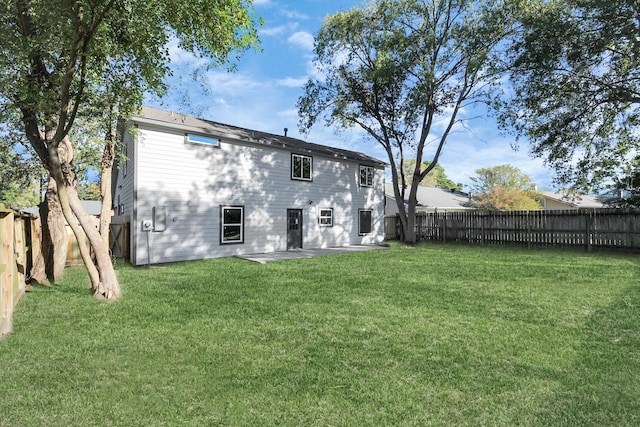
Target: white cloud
(180, 57)
(302, 39)
(292, 82)
(292, 14)
(232, 83)
(279, 30)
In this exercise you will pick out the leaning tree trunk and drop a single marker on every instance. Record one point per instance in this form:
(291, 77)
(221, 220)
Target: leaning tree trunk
(104, 281)
(106, 284)
(49, 265)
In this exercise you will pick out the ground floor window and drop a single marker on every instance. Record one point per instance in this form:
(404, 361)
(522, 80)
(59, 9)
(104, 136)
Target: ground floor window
(326, 217)
(364, 221)
(231, 224)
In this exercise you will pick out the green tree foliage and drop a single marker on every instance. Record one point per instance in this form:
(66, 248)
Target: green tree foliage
(396, 67)
(88, 138)
(67, 59)
(504, 188)
(20, 175)
(437, 177)
(575, 75)
(626, 189)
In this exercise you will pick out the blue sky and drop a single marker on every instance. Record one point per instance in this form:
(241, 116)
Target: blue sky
(262, 94)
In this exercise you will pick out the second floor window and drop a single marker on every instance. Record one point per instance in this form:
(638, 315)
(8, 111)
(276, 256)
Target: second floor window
(366, 176)
(301, 167)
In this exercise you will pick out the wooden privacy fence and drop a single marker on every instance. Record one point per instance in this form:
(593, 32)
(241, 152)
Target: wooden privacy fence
(20, 243)
(589, 229)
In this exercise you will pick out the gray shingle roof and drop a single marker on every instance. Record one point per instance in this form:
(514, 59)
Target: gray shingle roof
(578, 201)
(93, 207)
(434, 197)
(159, 117)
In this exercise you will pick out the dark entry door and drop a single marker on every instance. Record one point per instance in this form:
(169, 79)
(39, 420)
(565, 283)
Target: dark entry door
(294, 229)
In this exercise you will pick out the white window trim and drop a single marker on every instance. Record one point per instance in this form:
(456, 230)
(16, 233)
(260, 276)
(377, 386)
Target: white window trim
(205, 140)
(330, 217)
(367, 182)
(302, 157)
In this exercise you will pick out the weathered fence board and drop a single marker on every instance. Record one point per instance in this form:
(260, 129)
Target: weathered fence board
(589, 229)
(6, 272)
(16, 240)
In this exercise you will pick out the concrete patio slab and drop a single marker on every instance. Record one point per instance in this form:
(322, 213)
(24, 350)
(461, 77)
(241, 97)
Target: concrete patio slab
(308, 253)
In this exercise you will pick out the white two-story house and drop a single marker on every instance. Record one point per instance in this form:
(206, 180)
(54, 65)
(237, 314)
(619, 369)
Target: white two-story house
(192, 189)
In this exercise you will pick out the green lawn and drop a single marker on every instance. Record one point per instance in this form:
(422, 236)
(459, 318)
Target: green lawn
(431, 335)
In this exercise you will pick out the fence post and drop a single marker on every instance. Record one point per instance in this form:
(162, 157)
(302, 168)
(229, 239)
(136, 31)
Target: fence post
(528, 219)
(6, 272)
(444, 227)
(588, 220)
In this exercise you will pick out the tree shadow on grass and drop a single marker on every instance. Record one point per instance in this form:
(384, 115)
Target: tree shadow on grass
(602, 386)
(74, 281)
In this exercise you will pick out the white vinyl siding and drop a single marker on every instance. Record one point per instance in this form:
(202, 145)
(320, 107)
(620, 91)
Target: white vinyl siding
(123, 196)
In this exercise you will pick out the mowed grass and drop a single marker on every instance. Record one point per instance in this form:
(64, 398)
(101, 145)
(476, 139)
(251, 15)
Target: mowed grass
(429, 335)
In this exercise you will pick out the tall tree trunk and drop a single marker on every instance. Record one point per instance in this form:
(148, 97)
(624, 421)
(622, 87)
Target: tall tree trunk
(410, 232)
(49, 266)
(108, 157)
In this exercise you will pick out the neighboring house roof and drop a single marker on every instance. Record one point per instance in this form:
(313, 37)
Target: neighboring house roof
(33, 210)
(93, 207)
(570, 201)
(435, 198)
(614, 196)
(159, 117)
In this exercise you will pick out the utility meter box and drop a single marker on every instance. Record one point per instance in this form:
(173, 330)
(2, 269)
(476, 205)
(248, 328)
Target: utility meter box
(147, 225)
